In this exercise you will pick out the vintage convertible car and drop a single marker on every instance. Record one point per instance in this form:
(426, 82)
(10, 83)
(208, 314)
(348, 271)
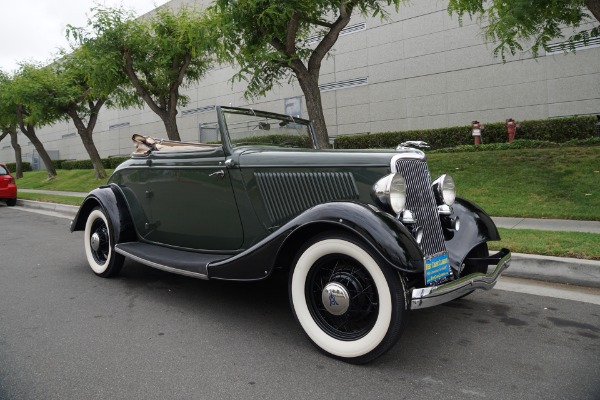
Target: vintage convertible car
(365, 235)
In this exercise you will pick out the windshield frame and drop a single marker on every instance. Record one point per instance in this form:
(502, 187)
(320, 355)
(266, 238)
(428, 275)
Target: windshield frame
(225, 134)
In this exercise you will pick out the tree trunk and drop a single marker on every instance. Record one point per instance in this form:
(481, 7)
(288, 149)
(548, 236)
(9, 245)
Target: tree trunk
(18, 155)
(86, 132)
(29, 132)
(17, 148)
(90, 147)
(312, 94)
(170, 121)
(594, 7)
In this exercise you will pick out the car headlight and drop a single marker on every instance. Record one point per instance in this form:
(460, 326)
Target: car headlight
(390, 192)
(444, 190)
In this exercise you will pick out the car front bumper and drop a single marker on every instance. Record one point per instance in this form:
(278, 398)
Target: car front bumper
(434, 295)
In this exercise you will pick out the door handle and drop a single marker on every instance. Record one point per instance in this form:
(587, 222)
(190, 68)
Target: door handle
(220, 174)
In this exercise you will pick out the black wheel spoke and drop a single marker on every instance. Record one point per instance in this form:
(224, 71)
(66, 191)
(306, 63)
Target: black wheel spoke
(361, 314)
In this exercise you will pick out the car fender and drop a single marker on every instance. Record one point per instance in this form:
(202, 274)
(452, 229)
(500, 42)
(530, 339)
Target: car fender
(476, 227)
(377, 229)
(113, 203)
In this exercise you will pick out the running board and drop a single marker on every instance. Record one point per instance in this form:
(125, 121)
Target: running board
(180, 262)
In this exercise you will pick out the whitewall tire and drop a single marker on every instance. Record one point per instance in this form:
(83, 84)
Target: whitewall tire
(99, 245)
(350, 305)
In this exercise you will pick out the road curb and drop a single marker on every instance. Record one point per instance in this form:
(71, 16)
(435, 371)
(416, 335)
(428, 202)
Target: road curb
(572, 271)
(65, 209)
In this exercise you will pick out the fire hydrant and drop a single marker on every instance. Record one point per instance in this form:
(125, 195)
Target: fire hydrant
(511, 129)
(476, 129)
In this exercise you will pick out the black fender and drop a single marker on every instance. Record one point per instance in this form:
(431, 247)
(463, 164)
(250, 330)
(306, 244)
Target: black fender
(114, 205)
(377, 229)
(476, 227)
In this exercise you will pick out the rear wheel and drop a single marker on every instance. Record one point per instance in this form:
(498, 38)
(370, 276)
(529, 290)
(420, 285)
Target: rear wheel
(99, 245)
(350, 305)
(11, 202)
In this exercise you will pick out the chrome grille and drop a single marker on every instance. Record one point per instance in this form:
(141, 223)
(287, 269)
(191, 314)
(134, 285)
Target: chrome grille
(286, 194)
(420, 200)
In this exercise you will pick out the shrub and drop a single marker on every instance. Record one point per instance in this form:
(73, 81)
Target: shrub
(108, 163)
(12, 166)
(558, 130)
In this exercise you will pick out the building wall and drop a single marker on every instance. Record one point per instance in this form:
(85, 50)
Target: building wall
(417, 69)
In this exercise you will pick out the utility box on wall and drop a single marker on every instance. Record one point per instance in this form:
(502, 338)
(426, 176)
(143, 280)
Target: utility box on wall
(36, 161)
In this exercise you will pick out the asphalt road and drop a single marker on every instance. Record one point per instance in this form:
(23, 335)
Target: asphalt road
(67, 334)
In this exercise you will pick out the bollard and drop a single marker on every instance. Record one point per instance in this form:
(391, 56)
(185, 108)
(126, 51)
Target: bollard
(476, 128)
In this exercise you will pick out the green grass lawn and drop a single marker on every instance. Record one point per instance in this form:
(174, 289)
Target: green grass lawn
(549, 243)
(559, 183)
(76, 180)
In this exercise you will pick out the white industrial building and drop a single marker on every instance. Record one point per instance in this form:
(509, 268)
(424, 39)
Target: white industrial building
(417, 69)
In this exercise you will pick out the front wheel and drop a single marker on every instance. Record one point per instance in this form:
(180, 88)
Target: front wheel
(99, 245)
(11, 202)
(350, 305)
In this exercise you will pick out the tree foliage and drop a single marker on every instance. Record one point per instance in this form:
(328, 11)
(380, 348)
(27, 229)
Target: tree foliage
(268, 40)
(150, 58)
(8, 124)
(514, 24)
(27, 93)
(77, 98)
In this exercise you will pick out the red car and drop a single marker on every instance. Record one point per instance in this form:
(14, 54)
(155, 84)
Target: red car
(8, 187)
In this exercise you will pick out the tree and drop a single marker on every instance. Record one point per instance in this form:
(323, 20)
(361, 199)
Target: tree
(8, 124)
(151, 57)
(268, 40)
(511, 23)
(26, 93)
(72, 94)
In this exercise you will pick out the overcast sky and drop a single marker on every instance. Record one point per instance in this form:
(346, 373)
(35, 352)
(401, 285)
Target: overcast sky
(32, 30)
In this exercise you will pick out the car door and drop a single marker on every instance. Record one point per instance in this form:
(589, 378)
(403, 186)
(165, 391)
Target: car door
(192, 203)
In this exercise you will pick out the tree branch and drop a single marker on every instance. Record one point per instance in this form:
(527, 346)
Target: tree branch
(77, 120)
(594, 7)
(94, 112)
(292, 31)
(327, 42)
(174, 89)
(20, 112)
(322, 23)
(139, 88)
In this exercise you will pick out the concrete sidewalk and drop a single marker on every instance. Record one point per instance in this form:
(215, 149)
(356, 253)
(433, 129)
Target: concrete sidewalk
(572, 271)
(548, 224)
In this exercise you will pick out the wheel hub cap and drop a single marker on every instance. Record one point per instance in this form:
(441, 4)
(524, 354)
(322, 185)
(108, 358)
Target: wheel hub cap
(95, 241)
(335, 298)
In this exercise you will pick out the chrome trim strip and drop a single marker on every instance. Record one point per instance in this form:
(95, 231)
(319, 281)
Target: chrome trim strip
(160, 266)
(435, 295)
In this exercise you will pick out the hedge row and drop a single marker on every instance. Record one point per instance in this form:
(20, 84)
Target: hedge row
(519, 144)
(12, 167)
(557, 130)
(108, 163)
